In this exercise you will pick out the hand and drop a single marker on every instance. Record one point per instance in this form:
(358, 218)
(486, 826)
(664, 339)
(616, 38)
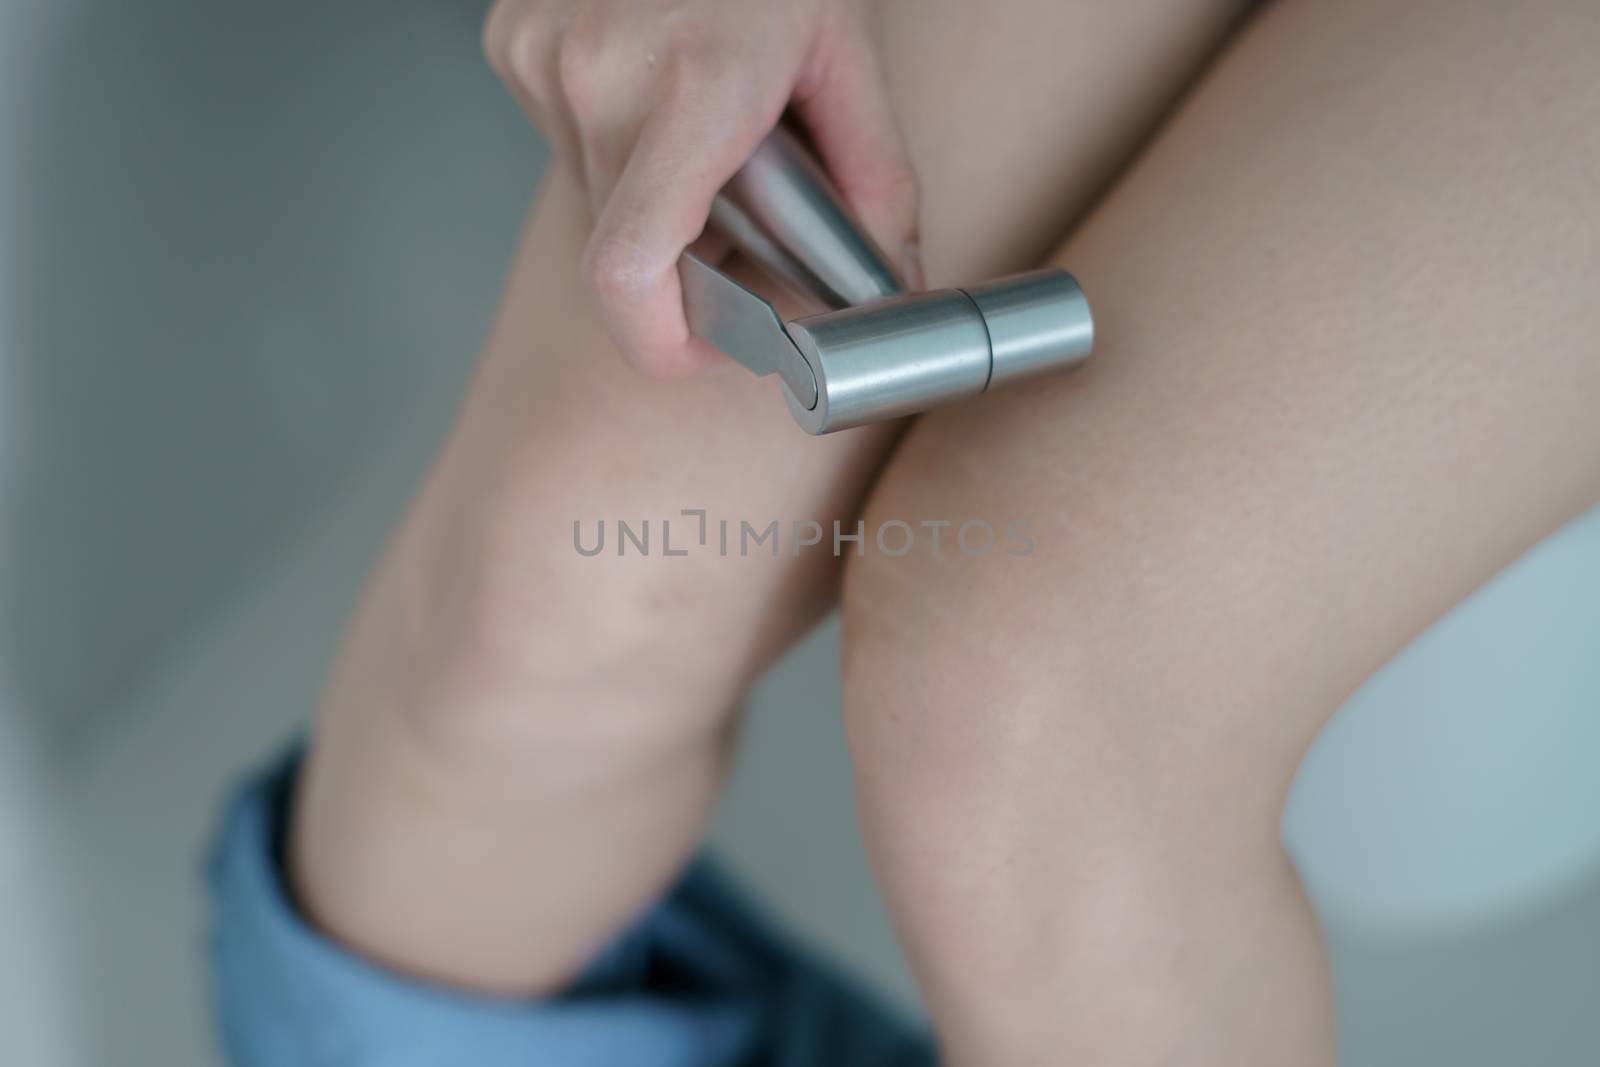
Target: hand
(654, 104)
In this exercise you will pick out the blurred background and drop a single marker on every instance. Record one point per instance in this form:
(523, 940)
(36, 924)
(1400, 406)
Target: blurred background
(247, 255)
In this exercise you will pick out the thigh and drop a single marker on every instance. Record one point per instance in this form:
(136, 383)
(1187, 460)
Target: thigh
(581, 436)
(1347, 369)
(573, 708)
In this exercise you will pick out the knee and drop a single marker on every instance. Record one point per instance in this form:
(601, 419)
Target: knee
(998, 704)
(983, 678)
(1025, 789)
(953, 652)
(516, 604)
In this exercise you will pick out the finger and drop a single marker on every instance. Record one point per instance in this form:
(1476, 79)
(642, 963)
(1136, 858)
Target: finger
(607, 72)
(605, 155)
(843, 100)
(522, 39)
(684, 155)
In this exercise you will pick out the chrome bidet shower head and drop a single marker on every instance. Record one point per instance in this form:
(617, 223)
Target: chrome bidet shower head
(877, 352)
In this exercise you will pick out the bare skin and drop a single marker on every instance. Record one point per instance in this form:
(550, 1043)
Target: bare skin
(1346, 372)
(505, 708)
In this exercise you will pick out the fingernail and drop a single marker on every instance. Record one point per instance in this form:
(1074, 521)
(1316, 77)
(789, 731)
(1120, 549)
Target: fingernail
(911, 266)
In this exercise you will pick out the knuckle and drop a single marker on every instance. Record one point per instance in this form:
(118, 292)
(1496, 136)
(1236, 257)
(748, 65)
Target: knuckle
(698, 65)
(495, 40)
(512, 43)
(692, 37)
(615, 270)
(525, 58)
(581, 65)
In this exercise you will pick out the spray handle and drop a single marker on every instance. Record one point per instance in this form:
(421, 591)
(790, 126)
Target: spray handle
(783, 212)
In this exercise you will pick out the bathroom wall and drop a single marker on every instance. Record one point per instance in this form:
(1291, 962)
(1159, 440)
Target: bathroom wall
(35, 996)
(247, 253)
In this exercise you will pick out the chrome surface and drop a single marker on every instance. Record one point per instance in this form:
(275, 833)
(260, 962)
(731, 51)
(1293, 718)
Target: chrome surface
(743, 325)
(790, 200)
(758, 246)
(892, 358)
(878, 352)
(1038, 322)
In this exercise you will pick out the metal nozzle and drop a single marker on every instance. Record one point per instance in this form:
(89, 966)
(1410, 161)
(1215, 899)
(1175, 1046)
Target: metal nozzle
(879, 353)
